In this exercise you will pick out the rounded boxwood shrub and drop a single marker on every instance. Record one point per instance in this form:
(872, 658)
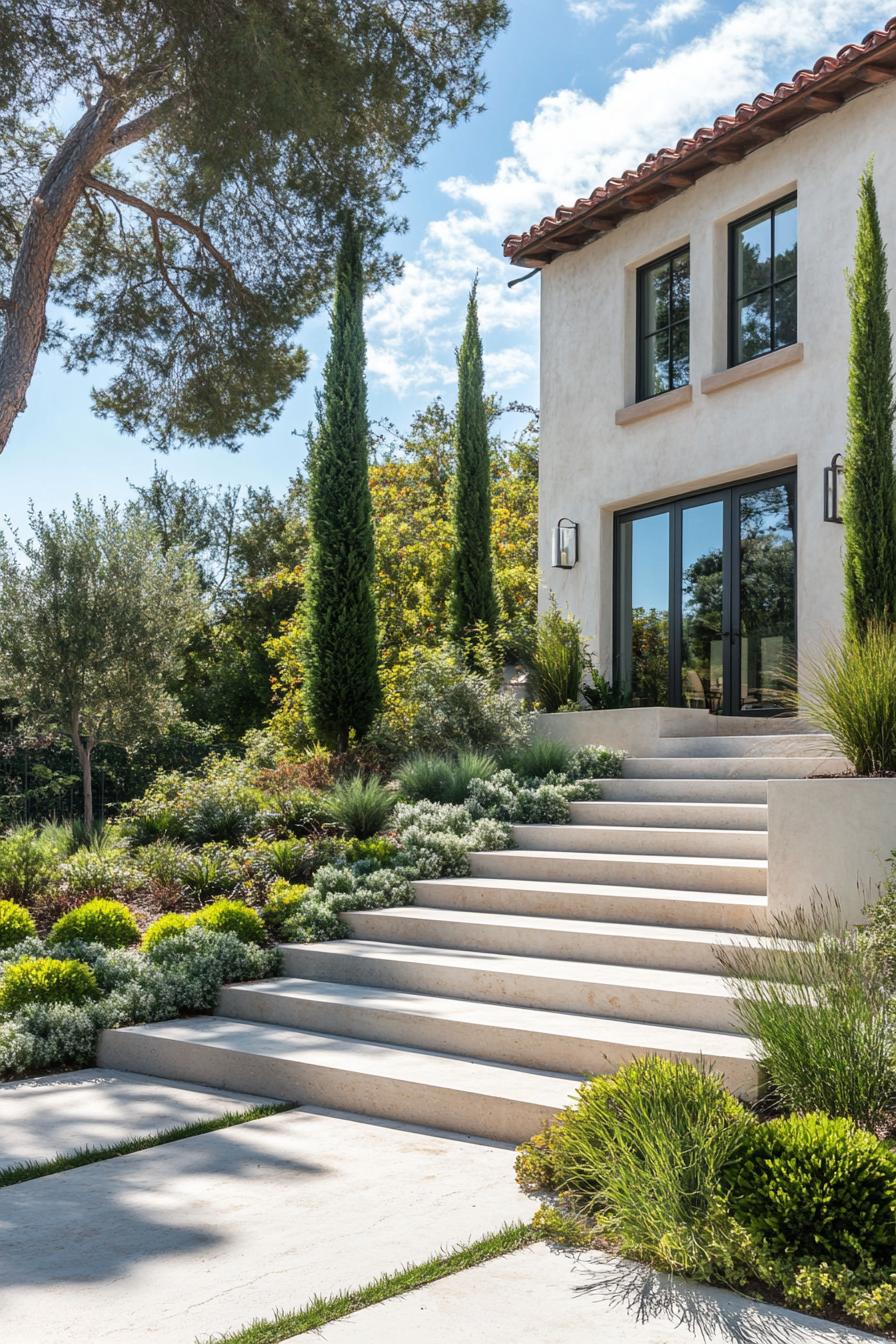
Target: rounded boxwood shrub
(46, 980)
(818, 1187)
(166, 926)
(101, 921)
(232, 917)
(16, 924)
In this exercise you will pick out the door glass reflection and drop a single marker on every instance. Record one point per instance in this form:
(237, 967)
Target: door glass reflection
(702, 575)
(643, 606)
(767, 596)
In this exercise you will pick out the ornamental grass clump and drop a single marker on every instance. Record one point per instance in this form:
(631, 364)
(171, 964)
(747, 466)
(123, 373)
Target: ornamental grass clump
(558, 659)
(819, 1001)
(101, 921)
(28, 863)
(644, 1154)
(360, 806)
(851, 694)
(438, 778)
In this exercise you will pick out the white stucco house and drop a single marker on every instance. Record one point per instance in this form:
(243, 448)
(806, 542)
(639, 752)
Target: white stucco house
(694, 338)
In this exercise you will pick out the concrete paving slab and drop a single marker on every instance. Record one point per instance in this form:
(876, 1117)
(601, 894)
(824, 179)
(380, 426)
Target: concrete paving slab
(200, 1236)
(543, 1295)
(40, 1117)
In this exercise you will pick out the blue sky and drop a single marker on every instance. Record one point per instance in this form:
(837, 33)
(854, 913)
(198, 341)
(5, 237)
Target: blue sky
(579, 91)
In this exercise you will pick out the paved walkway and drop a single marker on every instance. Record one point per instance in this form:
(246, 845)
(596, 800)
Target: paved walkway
(200, 1236)
(40, 1117)
(543, 1295)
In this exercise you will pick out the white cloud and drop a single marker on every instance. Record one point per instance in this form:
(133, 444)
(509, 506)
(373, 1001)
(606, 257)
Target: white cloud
(571, 144)
(592, 11)
(672, 12)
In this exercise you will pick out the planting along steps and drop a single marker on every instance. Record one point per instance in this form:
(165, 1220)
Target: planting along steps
(479, 1007)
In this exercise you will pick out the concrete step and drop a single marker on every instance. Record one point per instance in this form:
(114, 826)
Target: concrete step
(630, 790)
(607, 839)
(687, 873)
(769, 744)
(419, 1087)
(709, 816)
(658, 946)
(673, 998)
(730, 767)
(592, 900)
(528, 1037)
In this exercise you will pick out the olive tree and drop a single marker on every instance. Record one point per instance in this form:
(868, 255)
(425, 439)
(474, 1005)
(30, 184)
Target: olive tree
(93, 618)
(187, 217)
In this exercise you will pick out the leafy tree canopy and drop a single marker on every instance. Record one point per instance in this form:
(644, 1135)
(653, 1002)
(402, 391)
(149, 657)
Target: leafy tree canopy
(187, 219)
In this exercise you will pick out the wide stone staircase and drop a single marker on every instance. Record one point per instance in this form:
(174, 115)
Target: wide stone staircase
(479, 1008)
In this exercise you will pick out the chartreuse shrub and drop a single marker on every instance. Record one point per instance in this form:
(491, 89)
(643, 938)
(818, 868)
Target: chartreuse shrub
(16, 924)
(360, 806)
(46, 980)
(166, 926)
(232, 917)
(101, 921)
(439, 778)
(818, 998)
(283, 904)
(645, 1156)
(817, 1187)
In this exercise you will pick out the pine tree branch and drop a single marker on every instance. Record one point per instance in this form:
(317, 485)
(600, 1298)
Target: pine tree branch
(138, 128)
(157, 213)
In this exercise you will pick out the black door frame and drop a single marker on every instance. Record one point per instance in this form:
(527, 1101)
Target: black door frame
(674, 505)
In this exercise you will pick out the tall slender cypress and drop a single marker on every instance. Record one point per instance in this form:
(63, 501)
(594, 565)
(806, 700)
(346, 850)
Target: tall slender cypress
(474, 600)
(869, 503)
(341, 689)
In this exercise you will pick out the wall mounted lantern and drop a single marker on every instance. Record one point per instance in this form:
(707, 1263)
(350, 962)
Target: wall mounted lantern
(833, 490)
(565, 544)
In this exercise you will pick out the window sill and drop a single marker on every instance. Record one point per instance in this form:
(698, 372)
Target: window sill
(643, 410)
(754, 368)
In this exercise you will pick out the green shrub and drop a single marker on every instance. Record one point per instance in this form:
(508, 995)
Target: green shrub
(208, 874)
(232, 917)
(28, 863)
(817, 1187)
(819, 1001)
(596, 763)
(542, 756)
(443, 779)
(166, 926)
(647, 1153)
(283, 904)
(298, 812)
(46, 980)
(558, 659)
(851, 694)
(376, 851)
(16, 924)
(103, 874)
(218, 806)
(443, 707)
(101, 921)
(360, 806)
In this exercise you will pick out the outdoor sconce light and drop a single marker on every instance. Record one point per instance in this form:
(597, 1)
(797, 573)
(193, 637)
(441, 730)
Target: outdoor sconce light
(565, 544)
(833, 489)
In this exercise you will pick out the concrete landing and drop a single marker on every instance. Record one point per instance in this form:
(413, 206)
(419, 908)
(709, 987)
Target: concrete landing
(199, 1237)
(544, 1295)
(40, 1117)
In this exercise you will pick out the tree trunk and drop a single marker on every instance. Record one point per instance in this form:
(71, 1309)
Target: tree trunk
(85, 758)
(51, 211)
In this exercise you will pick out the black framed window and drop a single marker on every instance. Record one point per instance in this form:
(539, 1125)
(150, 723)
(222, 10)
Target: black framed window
(664, 314)
(763, 271)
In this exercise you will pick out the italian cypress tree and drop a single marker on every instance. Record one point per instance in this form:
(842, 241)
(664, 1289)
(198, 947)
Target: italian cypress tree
(341, 689)
(474, 600)
(869, 503)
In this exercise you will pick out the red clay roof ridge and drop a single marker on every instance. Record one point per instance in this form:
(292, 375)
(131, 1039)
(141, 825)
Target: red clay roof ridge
(664, 159)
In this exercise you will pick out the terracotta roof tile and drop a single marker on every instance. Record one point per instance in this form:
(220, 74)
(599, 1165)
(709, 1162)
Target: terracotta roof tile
(840, 77)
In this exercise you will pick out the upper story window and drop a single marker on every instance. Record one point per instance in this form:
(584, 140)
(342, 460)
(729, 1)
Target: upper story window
(763, 282)
(664, 313)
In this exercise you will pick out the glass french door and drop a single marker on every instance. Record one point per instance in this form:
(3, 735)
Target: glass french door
(705, 611)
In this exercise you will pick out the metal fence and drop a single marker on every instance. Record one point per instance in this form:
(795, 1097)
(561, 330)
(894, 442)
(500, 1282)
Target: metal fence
(44, 783)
